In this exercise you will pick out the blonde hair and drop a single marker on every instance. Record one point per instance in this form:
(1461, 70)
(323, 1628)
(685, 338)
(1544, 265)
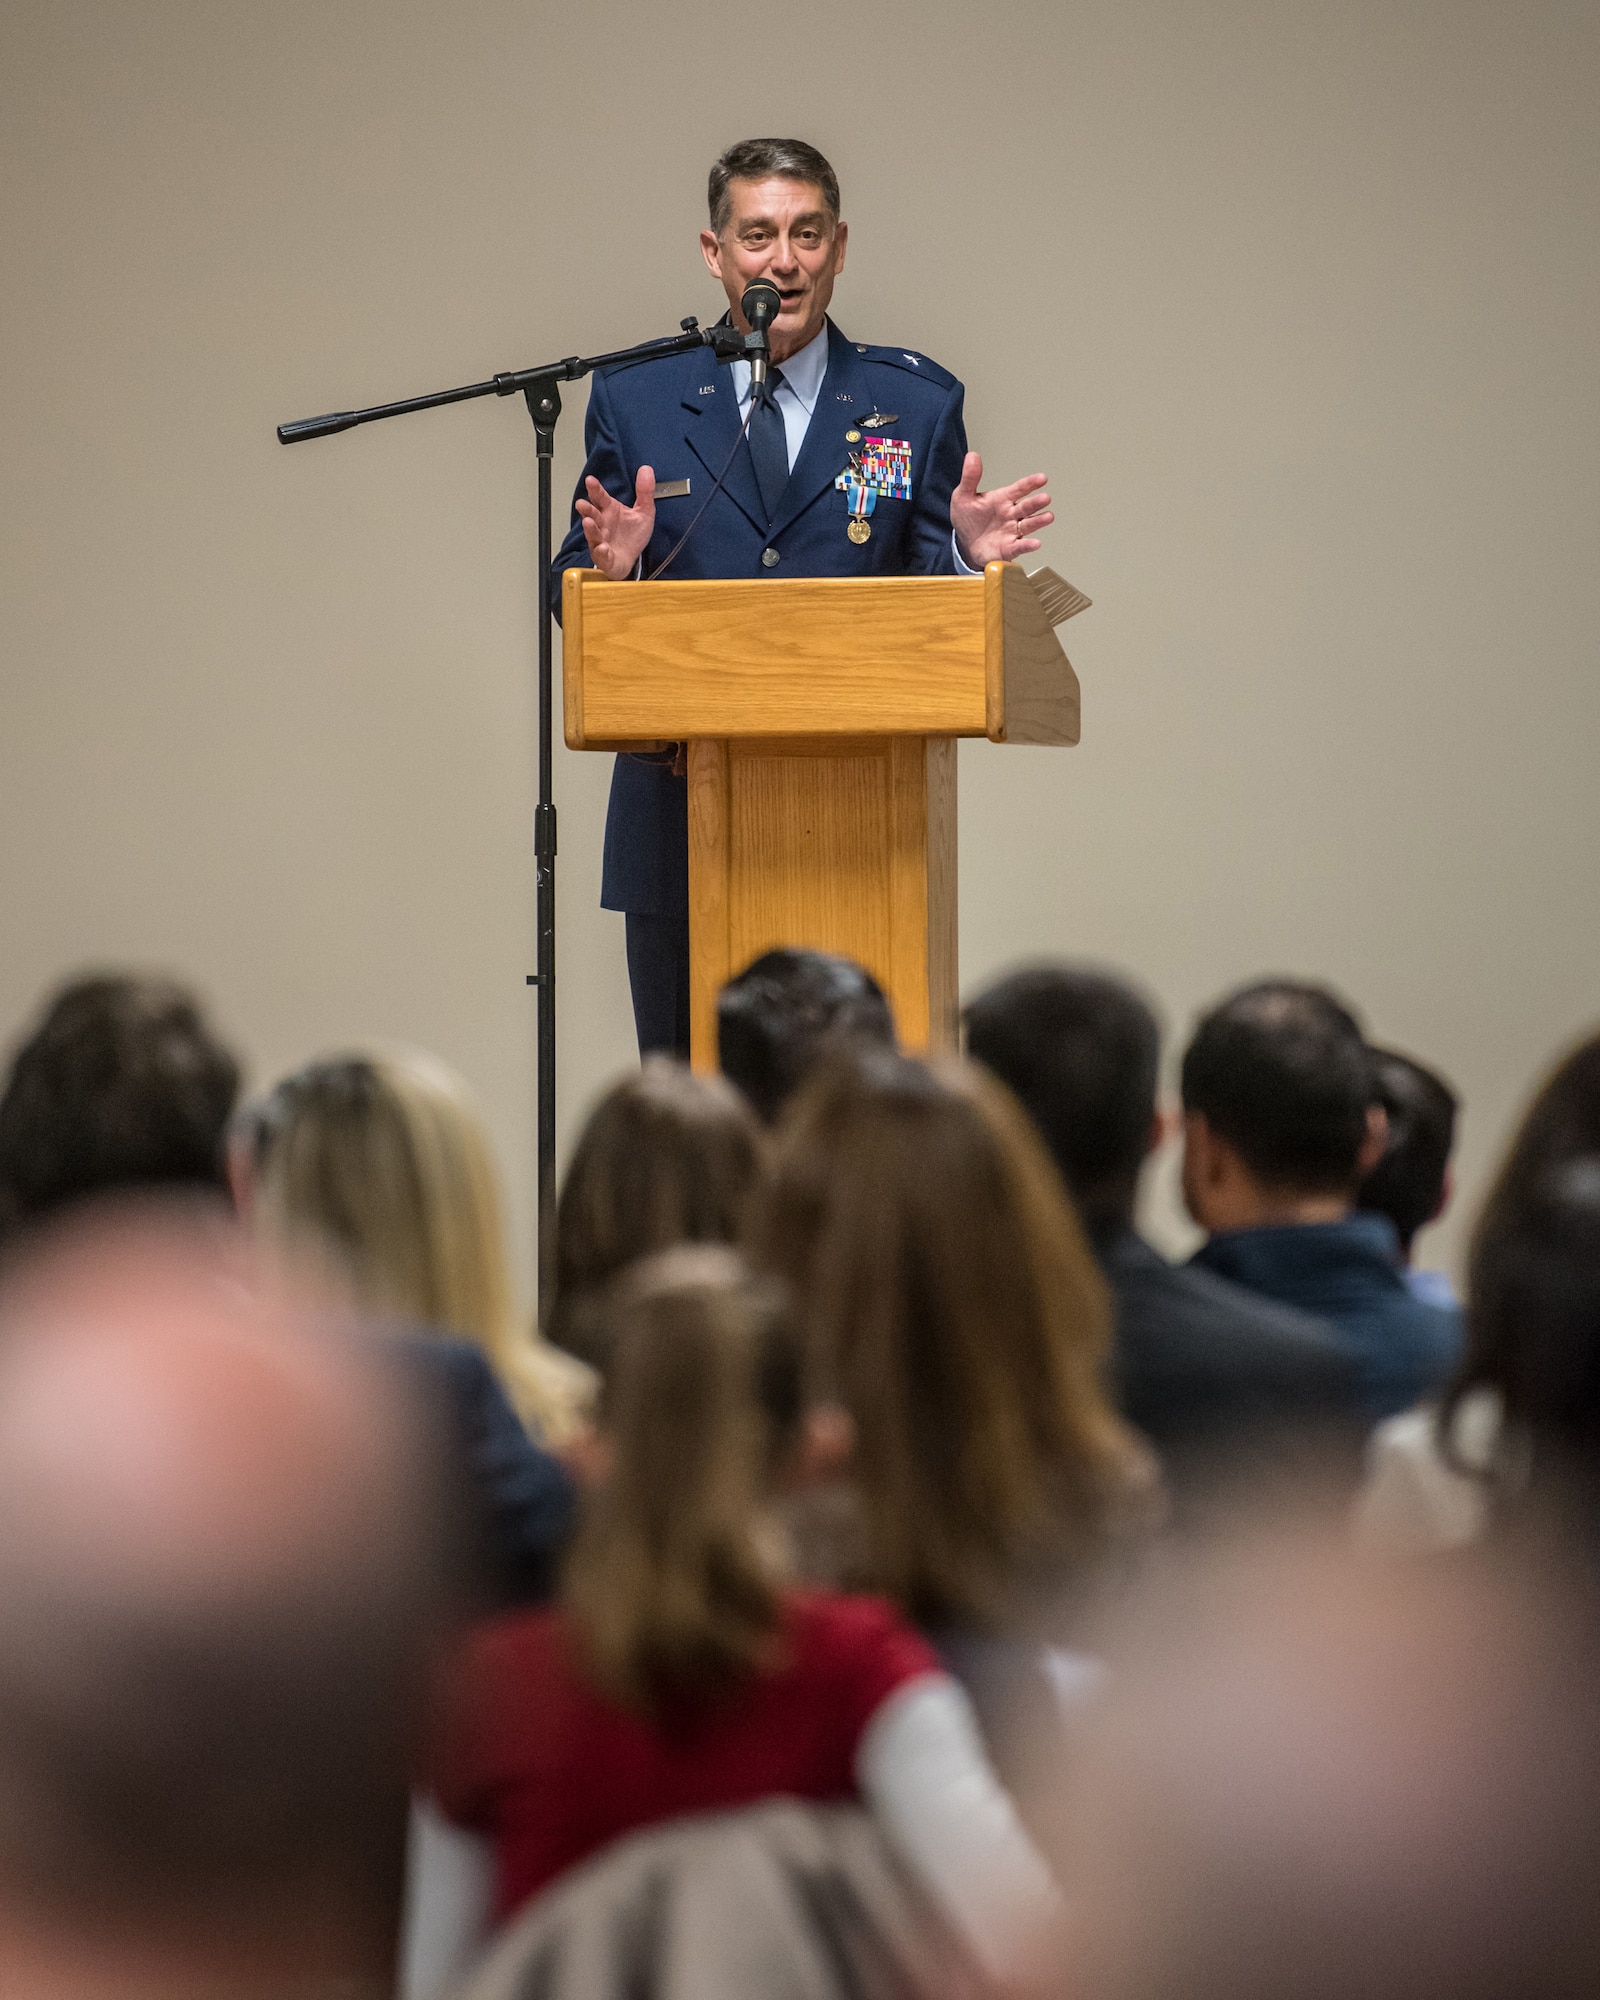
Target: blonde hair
(378, 1165)
(673, 1580)
(952, 1305)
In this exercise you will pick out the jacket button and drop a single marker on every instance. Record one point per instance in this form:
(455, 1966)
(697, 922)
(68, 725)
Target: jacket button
(769, 558)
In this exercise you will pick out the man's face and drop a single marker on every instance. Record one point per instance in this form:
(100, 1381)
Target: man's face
(779, 229)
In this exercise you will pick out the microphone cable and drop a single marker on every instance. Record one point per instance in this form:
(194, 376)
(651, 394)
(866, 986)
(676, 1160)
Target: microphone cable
(677, 548)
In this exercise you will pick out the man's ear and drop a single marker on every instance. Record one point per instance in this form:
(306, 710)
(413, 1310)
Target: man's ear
(827, 1445)
(240, 1164)
(1201, 1147)
(1166, 1122)
(589, 1458)
(711, 250)
(1447, 1193)
(1373, 1144)
(841, 236)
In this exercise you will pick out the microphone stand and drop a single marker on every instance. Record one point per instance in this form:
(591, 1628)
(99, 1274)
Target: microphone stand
(539, 389)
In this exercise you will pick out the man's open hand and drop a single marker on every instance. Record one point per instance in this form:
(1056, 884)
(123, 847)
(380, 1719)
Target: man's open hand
(997, 526)
(618, 535)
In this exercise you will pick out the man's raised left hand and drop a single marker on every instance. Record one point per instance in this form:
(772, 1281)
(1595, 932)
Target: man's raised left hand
(998, 526)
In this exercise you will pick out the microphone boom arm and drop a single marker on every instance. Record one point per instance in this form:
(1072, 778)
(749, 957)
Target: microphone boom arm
(726, 341)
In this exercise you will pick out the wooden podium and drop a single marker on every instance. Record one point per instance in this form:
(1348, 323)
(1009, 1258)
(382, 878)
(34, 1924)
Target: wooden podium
(821, 718)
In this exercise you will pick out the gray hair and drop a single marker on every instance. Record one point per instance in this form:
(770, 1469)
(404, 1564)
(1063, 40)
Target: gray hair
(761, 159)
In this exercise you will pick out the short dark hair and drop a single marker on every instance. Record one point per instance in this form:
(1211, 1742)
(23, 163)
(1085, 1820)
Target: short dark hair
(1407, 1184)
(762, 159)
(1282, 1072)
(122, 1086)
(786, 1010)
(1080, 1049)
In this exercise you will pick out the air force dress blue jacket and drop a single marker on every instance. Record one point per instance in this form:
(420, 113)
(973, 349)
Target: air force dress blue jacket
(680, 415)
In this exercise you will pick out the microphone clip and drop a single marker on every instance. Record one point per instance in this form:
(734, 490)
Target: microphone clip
(729, 344)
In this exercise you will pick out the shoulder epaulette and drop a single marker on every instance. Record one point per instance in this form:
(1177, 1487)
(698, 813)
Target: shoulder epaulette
(912, 364)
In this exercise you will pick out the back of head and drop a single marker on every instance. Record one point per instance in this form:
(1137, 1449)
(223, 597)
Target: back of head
(226, 1559)
(671, 1581)
(1079, 1049)
(1562, 1123)
(1314, 1777)
(785, 1012)
(1408, 1183)
(1280, 1070)
(951, 1305)
(376, 1166)
(666, 1157)
(121, 1087)
(1533, 1334)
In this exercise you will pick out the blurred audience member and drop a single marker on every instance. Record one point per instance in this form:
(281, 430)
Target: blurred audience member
(787, 1010)
(369, 1176)
(122, 1086)
(1315, 1779)
(956, 1316)
(378, 1168)
(665, 1157)
(124, 1093)
(228, 1567)
(779, 1901)
(1221, 1380)
(1411, 1183)
(1525, 1403)
(1561, 1124)
(1281, 1126)
(683, 1675)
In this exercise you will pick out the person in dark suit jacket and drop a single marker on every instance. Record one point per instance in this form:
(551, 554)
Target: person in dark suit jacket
(852, 461)
(1283, 1121)
(1226, 1385)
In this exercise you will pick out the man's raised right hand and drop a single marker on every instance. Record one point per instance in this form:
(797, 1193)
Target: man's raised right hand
(618, 535)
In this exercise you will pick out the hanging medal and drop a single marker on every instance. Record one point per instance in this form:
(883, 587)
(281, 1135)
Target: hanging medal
(862, 501)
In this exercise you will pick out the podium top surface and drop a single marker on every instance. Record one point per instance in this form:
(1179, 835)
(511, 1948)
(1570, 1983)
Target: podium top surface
(813, 656)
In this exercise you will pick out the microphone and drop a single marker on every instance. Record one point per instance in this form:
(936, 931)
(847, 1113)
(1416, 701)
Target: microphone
(760, 305)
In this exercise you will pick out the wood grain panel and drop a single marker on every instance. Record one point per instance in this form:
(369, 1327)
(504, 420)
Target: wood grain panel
(710, 960)
(809, 843)
(844, 846)
(572, 656)
(836, 656)
(942, 938)
(1034, 697)
(908, 888)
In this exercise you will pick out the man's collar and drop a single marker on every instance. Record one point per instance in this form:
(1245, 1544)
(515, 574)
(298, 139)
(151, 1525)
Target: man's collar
(802, 372)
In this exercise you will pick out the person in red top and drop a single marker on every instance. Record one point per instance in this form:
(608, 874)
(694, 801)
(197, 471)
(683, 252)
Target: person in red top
(557, 1770)
(679, 1674)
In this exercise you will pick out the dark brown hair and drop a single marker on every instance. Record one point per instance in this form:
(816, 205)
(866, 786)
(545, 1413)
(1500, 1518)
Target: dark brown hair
(767, 159)
(121, 1086)
(672, 1582)
(666, 1157)
(1560, 1130)
(951, 1304)
(1408, 1183)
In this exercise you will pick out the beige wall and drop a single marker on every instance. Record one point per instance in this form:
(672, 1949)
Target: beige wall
(1296, 303)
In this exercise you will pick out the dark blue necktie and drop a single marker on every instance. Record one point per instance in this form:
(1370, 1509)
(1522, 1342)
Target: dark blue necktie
(769, 443)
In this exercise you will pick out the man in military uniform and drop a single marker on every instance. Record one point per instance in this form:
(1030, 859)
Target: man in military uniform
(854, 463)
